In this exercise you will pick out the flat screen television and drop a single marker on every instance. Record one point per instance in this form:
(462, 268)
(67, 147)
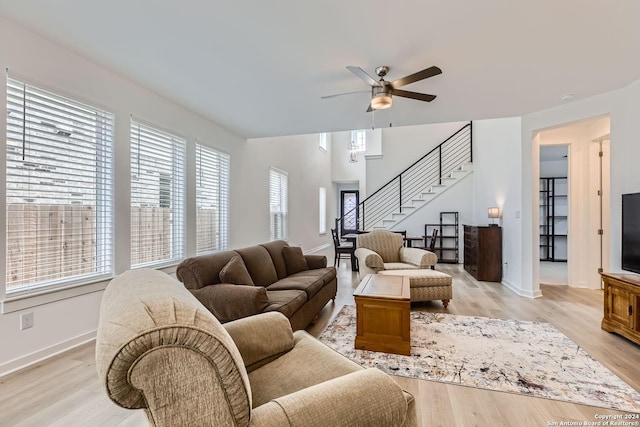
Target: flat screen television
(631, 232)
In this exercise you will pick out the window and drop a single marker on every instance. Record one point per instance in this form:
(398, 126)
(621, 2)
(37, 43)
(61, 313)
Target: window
(359, 138)
(212, 200)
(323, 141)
(157, 196)
(59, 190)
(322, 214)
(278, 204)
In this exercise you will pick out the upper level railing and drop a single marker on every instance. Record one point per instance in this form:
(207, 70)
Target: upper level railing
(410, 183)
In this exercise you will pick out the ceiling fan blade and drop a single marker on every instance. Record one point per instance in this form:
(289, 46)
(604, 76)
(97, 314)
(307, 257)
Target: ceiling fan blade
(420, 75)
(346, 93)
(413, 95)
(363, 75)
(369, 109)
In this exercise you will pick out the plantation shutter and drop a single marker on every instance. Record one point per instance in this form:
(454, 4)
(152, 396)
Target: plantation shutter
(278, 204)
(212, 200)
(157, 196)
(58, 189)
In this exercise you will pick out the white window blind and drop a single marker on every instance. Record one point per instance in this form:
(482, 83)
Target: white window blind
(157, 196)
(278, 204)
(59, 189)
(212, 200)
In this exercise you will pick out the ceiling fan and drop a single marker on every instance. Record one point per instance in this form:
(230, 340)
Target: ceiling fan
(382, 90)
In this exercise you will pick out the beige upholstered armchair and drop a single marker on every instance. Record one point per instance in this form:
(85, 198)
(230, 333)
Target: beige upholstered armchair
(159, 349)
(384, 250)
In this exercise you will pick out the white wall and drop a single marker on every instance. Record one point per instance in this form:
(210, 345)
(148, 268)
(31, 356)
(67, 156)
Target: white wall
(583, 244)
(497, 172)
(344, 174)
(58, 325)
(623, 108)
(401, 147)
(458, 198)
(553, 168)
(343, 171)
(308, 168)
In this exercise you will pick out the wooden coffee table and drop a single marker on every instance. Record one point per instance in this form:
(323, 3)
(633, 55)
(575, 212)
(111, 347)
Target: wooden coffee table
(383, 305)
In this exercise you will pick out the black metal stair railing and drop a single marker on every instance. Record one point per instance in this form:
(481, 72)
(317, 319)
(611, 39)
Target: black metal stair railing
(429, 170)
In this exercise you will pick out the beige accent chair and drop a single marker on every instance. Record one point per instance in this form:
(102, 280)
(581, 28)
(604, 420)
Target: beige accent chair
(384, 250)
(159, 349)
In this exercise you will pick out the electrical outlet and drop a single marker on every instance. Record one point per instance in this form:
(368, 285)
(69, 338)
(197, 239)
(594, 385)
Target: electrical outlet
(26, 321)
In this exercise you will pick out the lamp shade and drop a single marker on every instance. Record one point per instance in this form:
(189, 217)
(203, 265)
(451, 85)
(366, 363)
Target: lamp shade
(494, 212)
(381, 101)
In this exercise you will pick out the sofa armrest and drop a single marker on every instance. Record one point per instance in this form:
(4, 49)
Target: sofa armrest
(369, 258)
(418, 257)
(230, 302)
(316, 261)
(262, 338)
(366, 397)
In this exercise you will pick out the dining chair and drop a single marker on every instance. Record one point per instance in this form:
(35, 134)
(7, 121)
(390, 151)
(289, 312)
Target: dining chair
(341, 248)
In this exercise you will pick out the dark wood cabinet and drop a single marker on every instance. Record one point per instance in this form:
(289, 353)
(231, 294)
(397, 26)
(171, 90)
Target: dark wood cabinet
(483, 252)
(622, 305)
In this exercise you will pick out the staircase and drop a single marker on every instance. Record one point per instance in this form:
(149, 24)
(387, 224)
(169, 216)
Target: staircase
(433, 174)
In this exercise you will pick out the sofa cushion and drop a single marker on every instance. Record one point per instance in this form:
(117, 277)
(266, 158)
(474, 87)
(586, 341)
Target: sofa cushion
(231, 302)
(309, 284)
(385, 243)
(309, 362)
(275, 250)
(235, 272)
(203, 270)
(294, 259)
(259, 265)
(399, 266)
(327, 273)
(286, 302)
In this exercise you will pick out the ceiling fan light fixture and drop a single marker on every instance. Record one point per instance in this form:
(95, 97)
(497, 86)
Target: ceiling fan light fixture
(381, 101)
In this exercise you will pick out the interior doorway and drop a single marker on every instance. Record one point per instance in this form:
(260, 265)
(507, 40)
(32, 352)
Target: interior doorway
(554, 213)
(574, 203)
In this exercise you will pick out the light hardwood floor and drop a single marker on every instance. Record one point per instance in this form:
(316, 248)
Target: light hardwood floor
(65, 391)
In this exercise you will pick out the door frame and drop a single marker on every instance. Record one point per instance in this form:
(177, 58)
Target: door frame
(342, 212)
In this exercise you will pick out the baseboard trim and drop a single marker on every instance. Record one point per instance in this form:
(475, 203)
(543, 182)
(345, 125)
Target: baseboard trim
(46, 353)
(317, 249)
(522, 293)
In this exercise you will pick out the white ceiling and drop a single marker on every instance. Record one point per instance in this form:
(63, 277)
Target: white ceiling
(260, 67)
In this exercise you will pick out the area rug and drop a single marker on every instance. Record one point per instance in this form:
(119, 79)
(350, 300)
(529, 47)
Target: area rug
(515, 356)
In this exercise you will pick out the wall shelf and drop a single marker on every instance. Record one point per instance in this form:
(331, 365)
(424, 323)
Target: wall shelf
(553, 219)
(448, 240)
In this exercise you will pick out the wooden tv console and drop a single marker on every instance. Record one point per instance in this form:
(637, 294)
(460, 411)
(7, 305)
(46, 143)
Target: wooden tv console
(622, 305)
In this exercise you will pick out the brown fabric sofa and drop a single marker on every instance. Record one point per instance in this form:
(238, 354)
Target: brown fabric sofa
(161, 350)
(268, 277)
